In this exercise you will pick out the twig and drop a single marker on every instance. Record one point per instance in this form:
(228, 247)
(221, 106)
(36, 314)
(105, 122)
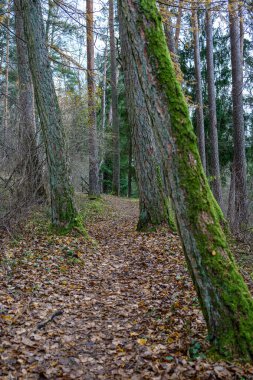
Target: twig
(41, 325)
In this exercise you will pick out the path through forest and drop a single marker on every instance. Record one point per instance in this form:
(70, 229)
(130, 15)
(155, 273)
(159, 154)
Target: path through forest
(119, 306)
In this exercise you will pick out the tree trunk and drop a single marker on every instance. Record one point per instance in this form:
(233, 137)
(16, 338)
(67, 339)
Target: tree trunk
(153, 192)
(94, 188)
(231, 197)
(32, 185)
(215, 163)
(168, 30)
(241, 214)
(62, 205)
(198, 78)
(130, 159)
(7, 63)
(115, 117)
(178, 24)
(103, 107)
(49, 19)
(225, 299)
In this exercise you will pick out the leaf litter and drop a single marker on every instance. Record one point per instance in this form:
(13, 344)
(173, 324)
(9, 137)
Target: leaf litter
(120, 305)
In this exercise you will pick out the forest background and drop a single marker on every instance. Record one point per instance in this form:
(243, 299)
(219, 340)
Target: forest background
(65, 23)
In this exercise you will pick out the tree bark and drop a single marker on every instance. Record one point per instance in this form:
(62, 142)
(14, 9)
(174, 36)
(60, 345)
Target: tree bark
(224, 297)
(32, 186)
(241, 214)
(115, 117)
(153, 192)
(168, 30)
(198, 78)
(130, 170)
(231, 197)
(178, 24)
(62, 205)
(7, 63)
(94, 187)
(215, 163)
(103, 108)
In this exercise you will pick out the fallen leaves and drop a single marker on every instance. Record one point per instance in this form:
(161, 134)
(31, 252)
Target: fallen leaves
(129, 310)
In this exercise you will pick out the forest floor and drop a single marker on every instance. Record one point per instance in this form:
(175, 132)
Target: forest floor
(119, 305)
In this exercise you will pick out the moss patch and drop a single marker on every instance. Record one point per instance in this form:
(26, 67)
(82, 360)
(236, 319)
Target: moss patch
(231, 304)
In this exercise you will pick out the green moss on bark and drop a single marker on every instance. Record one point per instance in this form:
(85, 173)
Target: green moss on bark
(227, 305)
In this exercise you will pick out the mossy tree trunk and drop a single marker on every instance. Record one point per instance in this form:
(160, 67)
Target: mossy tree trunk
(153, 191)
(62, 205)
(225, 299)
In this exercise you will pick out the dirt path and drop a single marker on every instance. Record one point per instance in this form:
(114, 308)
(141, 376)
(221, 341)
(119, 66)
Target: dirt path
(127, 303)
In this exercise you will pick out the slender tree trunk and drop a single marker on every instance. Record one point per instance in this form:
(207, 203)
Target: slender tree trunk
(168, 30)
(32, 186)
(130, 159)
(225, 299)
(62, 205)
(178, 24)
(94, 188)
(241, 214)
(241, 17)
(198, 78)
(7, 63)
(49, 19)
(103, 107)
(231, 197)
(215, 163)
(115, 117)
(153, 193)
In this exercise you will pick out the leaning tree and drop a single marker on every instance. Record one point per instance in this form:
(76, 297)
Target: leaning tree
(62, 205)
(224, 297)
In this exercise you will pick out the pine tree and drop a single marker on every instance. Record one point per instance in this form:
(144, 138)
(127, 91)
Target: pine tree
(62, 204)
(224, 297)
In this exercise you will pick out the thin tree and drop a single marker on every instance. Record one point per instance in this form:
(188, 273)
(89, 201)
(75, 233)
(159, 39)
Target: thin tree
(103, 122)
(62, 205)
(178, 24)
(239, 162)
(198, 79)
(215, 163)
(94, 187)
(224, 297)
(7, 64)
(32, 185)
(168, 29)
(130, 165)
(115, 117)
